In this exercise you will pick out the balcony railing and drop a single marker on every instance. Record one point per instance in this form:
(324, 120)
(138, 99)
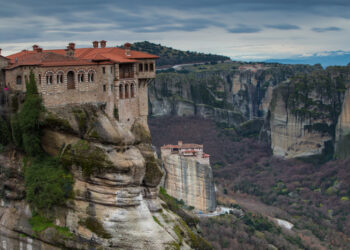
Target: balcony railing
(126, 75)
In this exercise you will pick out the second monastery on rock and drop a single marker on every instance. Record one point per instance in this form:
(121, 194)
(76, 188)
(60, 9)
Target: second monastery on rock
(115, 76)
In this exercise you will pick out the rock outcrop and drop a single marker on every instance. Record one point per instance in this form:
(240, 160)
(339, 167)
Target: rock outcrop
(308, 114)
(289, 135)
(190, 180)
(228, 93)
(116, 183)
(342, 145)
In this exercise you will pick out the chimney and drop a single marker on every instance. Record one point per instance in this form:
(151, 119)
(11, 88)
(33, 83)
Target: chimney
(179, 143)
(71, 46)
(39, 50)
(127, 49)
(70, 49)
(103, 44)
(35, 47)
(95, 44)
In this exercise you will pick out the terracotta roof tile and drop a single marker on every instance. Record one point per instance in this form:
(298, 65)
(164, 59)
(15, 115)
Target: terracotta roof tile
(47, 59)
(81, 55)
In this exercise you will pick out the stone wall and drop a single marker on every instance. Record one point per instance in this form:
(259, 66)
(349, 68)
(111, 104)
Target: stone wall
(3, 64)
(189, 180)
(104, 89)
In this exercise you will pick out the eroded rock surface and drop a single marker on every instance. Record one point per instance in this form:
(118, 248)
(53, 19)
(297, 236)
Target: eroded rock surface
(113, 202)
(189, 180)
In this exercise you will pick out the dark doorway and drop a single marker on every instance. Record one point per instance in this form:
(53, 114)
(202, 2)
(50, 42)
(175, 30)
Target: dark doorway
(70, 80)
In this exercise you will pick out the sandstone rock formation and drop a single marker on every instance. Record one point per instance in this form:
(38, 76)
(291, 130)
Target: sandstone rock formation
(289, 136)
(305, 112)
(190, 180)
(342, 146)
(227, 93)
(116, 182)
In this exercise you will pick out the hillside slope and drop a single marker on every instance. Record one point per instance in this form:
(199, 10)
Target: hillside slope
(169, 56)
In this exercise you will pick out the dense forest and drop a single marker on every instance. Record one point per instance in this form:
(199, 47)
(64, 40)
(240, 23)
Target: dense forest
(169, 56)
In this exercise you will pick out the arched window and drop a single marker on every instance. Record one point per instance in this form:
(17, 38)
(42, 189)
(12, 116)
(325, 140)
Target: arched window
(146, 66)
(151, 67)
(49, 78)
(91, 76)
(120, 91)
(19, 80)
(70, 80)
(60, 77)
(25, 79)
(132, 90)
(126, 90)
(81, 76)
(140, 67)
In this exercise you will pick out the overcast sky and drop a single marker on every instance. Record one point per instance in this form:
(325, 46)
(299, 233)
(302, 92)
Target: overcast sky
(241, 29)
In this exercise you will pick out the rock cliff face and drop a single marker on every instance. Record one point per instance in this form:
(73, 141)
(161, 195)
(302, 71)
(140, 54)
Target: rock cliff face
(289, 136)
(190, 180)
(228, 93)
(342, 146)
(305, 112)
(116, 181)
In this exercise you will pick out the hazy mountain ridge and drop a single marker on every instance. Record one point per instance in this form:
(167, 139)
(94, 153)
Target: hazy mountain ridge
(326, 59)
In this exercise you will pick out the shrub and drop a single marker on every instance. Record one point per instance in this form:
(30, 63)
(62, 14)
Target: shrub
(47, 184)
(5, 135)
(86, 156)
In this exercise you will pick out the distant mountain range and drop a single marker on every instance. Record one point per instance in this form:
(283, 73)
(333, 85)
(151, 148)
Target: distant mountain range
(325, 59)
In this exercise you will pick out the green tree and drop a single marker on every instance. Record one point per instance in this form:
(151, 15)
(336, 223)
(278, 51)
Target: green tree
(29, 119)
(47, 183)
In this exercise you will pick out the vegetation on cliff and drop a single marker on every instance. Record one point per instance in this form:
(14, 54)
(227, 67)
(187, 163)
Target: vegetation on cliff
(187, 221)
(47, 183)
(26, 123)
(170, 56)
(317, 96)
(87, 156)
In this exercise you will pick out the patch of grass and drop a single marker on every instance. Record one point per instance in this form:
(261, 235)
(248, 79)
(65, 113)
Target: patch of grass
(40, 223)
(179, 233)
(157, 221)
(173, 246)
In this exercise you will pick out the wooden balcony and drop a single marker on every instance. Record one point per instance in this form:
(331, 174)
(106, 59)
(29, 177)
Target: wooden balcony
(126, 74)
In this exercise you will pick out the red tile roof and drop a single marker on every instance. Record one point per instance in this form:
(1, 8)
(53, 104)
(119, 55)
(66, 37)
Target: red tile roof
(183, 146)
(47, 59)
(81, 55)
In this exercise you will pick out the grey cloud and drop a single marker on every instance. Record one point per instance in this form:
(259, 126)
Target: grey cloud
(283, 26)
(244, 29)
(326, 29)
